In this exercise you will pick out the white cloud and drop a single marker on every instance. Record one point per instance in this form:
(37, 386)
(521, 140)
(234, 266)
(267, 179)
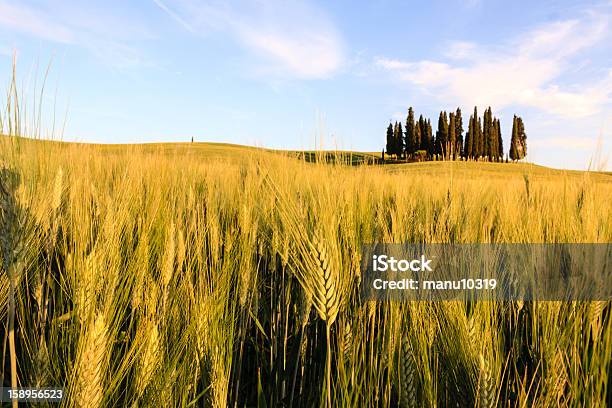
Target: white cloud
(525, 71)
(104, 35)
(294, 38)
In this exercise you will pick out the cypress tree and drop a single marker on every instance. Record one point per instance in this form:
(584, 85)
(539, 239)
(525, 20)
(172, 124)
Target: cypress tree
(494, 139)
(522, 138)
(500, 143)
(411, 145)
(452, 136)
(458, 133)
(475, 135)
(469, 140)
(418, 134)
(399, 139)
(390, 140)
(441, 135)
(430, 140)
(424, 145)
(487, 136)
(514, 141)
(480, 138)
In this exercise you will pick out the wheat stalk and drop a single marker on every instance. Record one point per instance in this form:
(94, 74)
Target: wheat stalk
(8, 240)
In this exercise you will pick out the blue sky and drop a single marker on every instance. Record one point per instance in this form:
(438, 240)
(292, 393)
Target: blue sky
(282, 73)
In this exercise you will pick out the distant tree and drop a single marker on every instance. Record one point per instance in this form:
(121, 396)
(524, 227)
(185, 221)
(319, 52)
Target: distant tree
(458, 134)
(474, 145)
(468, 147)
(500, 142)
(522, 136)
(417, 137)
(515, 141)
(418, 134)
(480, 139)
(424, 142)
(411, 143)
(487, 133)
(452, 137)
(430, 139)
(390, 140)
(441, 135)
(399, 139)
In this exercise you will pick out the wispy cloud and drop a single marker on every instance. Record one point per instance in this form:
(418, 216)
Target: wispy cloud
(26, 20)
(525, 71)
(295, 39)
(174, 16)
(105, 35)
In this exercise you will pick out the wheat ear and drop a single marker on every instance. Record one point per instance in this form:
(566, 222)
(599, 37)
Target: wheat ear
(408, 376)
(324, 284)
(91, 366)
(486, 392)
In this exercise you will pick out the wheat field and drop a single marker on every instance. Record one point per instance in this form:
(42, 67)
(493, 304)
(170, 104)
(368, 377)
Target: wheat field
(204, 275)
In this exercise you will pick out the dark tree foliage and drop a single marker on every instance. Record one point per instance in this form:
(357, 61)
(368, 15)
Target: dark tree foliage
(500, 142)
(458, 134)
(475, 135)
(483, 139)
(487, 133)
(480, 139)
(424, 142)
(411, 142)
(518, 142)
(514, 141)
(417, 137)
(452, 137)
(399, 139)
(468, 150)
(390, 140)
(430, 139)
(441, 135)
(522, 137)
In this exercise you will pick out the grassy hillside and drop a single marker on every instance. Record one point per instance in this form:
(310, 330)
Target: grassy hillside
(216, 275)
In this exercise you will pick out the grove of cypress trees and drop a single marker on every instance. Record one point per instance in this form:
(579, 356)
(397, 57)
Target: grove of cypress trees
(483, 139)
